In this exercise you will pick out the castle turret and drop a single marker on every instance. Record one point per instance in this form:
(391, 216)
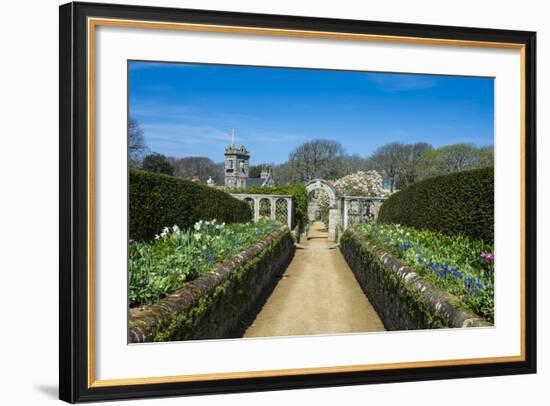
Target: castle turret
(236, 166)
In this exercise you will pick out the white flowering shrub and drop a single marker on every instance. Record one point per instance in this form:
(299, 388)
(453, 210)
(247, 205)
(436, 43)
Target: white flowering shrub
(362, 183)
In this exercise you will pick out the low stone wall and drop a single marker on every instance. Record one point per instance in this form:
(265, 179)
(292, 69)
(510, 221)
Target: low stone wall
(402, 298)
(219, 303)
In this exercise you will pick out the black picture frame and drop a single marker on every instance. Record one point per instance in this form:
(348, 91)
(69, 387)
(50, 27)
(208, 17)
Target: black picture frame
(74, 198)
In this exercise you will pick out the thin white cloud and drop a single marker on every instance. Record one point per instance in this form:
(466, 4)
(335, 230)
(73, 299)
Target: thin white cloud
(183, 134)
(157, 110)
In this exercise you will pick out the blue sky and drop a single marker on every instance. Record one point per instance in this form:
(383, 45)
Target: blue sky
(190, 109)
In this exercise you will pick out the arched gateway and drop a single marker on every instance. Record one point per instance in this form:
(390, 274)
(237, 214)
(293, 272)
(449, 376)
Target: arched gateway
(319, 185)
(342, 210)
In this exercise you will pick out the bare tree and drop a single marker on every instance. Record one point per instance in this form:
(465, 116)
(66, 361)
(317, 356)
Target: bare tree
(390, 160)
(412, 155)
(349, 164)
(316, 159)
(285, 174)
(137, 148)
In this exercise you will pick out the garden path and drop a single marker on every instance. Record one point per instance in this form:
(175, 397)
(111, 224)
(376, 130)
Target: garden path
(317, 294)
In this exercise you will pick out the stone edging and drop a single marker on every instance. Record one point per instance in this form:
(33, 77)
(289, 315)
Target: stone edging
(144, 322)
(439, 301)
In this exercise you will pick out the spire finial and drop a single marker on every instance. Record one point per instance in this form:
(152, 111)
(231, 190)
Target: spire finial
(232, 136)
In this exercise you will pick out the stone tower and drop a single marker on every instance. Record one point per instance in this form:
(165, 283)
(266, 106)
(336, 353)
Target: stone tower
(236, 166)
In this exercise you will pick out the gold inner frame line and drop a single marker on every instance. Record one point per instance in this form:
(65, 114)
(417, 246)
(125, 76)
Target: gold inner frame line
(94, 22)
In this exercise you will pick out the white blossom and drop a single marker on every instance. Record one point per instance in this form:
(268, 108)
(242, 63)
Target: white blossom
(362, 183)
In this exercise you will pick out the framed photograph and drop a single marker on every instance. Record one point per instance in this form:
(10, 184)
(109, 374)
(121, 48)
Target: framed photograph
(255, 202)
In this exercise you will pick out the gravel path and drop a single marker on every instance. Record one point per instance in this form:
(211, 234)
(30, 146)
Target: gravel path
(318, 294)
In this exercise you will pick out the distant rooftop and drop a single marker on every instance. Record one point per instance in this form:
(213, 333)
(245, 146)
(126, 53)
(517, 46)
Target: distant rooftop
(254, 182)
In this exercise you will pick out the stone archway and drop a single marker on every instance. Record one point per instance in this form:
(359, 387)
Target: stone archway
(319, 185)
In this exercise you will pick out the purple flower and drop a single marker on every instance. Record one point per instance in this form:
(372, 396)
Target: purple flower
(487, 256)
(130, 242)
(479, 284)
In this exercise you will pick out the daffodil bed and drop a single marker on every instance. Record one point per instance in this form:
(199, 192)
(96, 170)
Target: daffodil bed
(457, 264)
(160, 266)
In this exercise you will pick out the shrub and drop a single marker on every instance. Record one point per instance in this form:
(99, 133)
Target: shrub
(157, 201)
(459, 203)
(361, 183)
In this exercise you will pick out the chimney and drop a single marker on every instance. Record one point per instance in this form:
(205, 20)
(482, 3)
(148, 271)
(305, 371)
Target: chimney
(265, 172)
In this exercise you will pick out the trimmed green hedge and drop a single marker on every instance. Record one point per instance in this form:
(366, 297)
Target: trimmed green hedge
(157, 201)
(459, 203)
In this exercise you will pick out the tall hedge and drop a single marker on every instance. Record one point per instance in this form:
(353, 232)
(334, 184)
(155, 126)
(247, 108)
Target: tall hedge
(459, 203)
(158, 201)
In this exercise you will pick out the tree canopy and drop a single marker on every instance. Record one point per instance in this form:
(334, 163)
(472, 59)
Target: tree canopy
(202, 167)
(454, 158)
(398, 162)
(317, 158)
(157, 163)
